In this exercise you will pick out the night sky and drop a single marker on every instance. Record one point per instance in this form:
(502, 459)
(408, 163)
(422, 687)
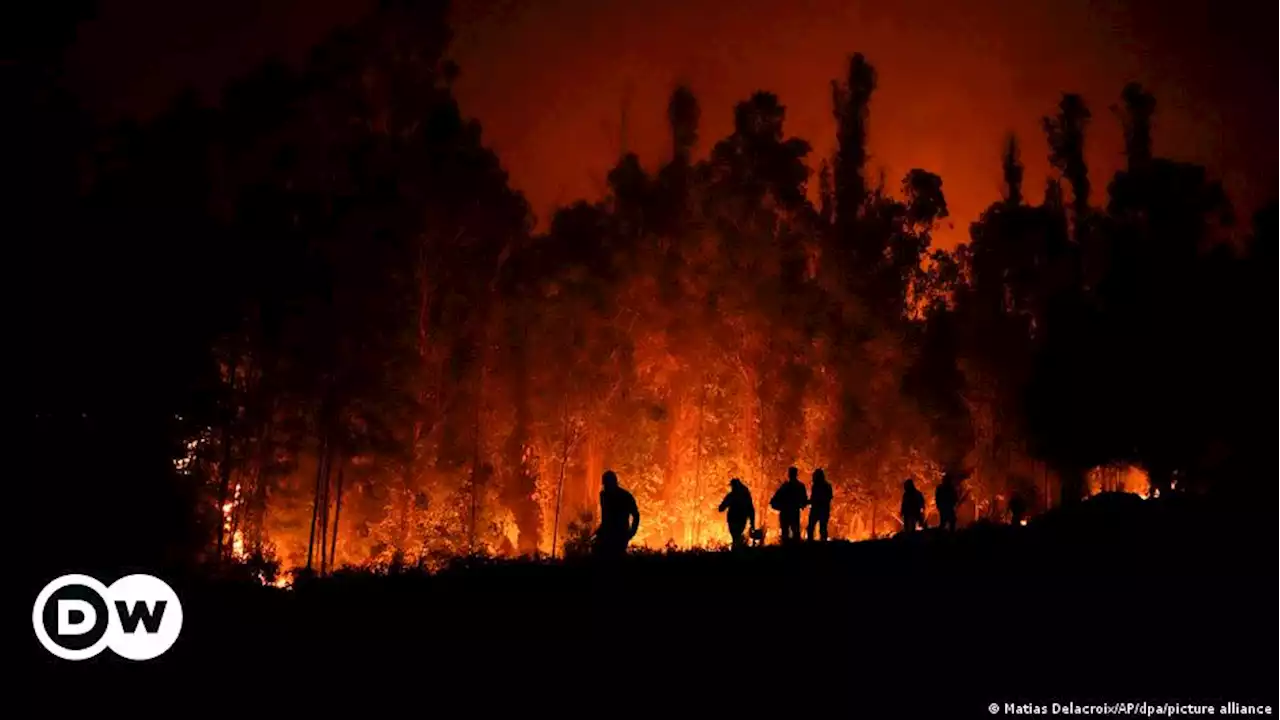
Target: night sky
(549, 80)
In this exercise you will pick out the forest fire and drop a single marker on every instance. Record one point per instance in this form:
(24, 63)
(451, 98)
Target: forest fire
(1121, 478)
(231, 514)
(680, 514)
(406, 372)
(684, 518)
(322, 391)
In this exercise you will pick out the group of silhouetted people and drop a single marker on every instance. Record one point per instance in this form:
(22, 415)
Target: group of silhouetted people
(789, 500)
(946, 497)
(792, 497)
(620, 517)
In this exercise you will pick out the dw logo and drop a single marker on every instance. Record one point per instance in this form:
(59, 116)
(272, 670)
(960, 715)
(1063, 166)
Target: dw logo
(138, 617)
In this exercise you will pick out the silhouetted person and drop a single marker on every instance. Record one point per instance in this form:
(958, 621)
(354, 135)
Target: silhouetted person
(819, 504)
(789, 500)
(912, 507)
(946, 498)
(742, 511)
(1017, 508)
(619, 517)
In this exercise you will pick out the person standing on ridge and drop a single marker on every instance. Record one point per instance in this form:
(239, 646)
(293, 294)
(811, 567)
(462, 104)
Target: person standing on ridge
(912, 506)
(619, 517)
(946, 499)
(789, 500)
(819, 504)
(742, 511)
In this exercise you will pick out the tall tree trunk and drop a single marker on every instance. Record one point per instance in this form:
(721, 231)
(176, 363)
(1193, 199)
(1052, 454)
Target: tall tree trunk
(765, 483)
(697, 466)
(237, 514)
(672, 435)
(258, 503)
(337, 514)
(403, 504)
(475, 500)
(594, 466)
(224, 467)
(422, 330)
(873, 516)
(564, 460)
(324, 513)
(315, 504)
(244, 493)
(519, 482)
(475, 454)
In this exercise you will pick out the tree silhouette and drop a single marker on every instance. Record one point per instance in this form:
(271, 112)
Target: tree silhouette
(1065, 133)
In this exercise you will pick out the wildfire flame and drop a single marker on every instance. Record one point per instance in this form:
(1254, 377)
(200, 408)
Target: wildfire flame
(1121, 478)
(236, 534)
(185, 463)
(428, 525)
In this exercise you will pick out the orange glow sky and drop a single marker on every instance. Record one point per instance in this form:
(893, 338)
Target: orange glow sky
(549, 78)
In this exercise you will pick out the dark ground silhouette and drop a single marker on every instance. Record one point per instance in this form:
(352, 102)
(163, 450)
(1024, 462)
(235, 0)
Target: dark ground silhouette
(1115, 599)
